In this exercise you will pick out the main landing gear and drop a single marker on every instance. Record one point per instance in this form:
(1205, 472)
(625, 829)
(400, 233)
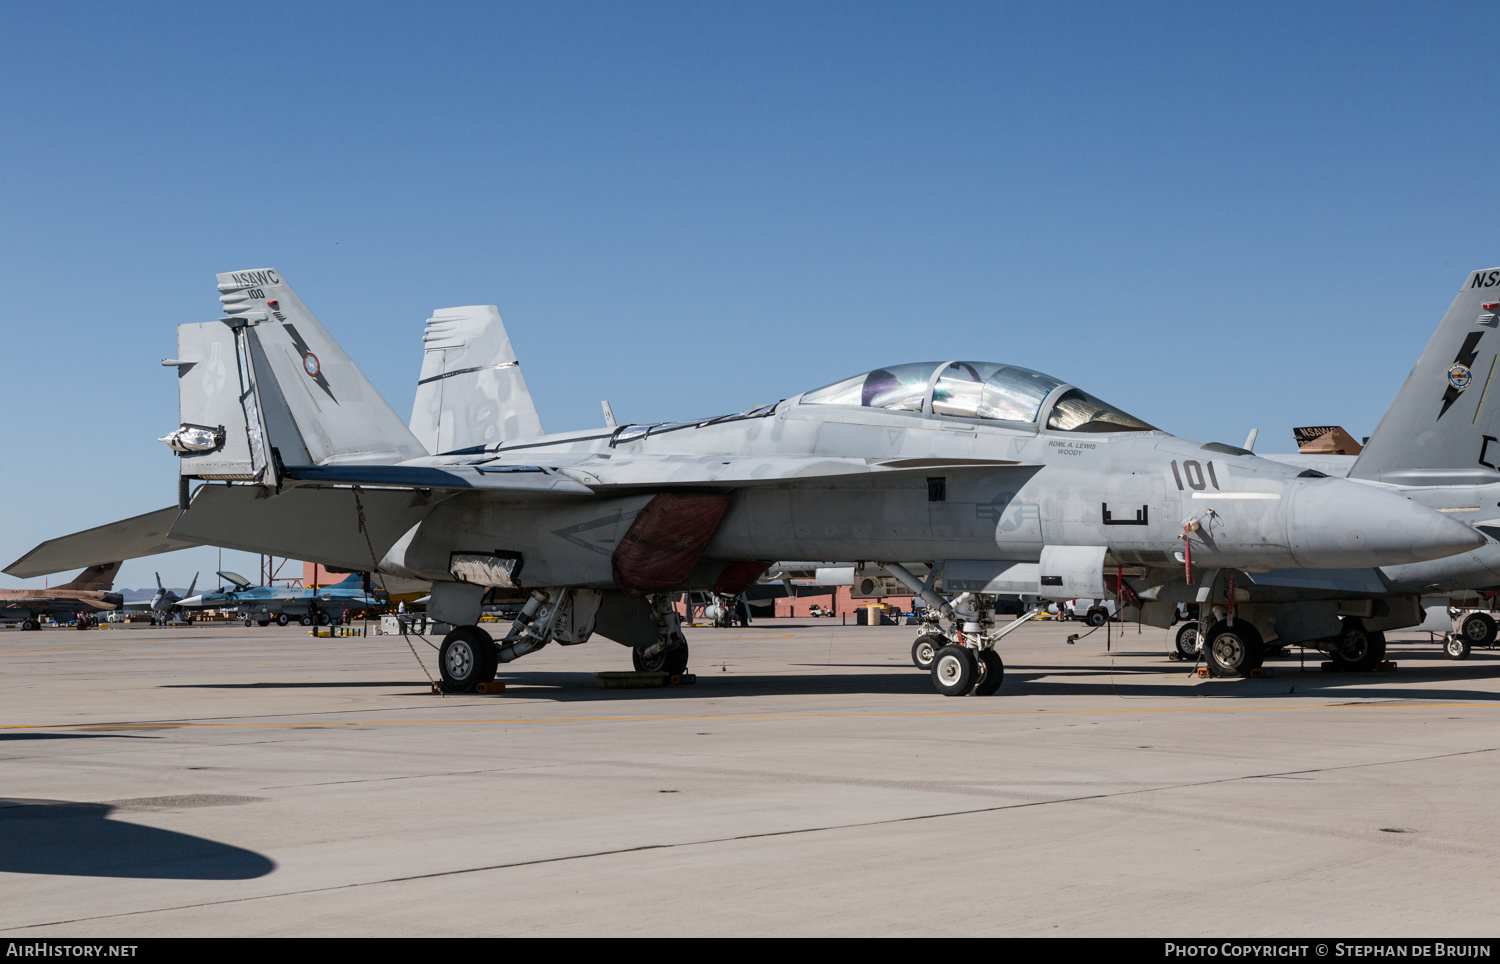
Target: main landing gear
(1356, 649)
(669, 654)
(469, 656)
(1233, 650)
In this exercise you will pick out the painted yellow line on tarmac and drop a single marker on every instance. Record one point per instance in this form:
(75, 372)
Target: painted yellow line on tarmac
(313, 722)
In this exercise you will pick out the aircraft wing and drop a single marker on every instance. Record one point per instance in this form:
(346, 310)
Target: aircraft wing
(513, 477)
(589, 475)
(142, 535)
(43, 600)
(321, 517)
(26, 602)
(732, 472)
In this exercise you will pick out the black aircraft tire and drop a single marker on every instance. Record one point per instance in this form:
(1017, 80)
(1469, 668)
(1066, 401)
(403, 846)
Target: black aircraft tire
(323, 619)
(263, 622)
(1187, 640)
(992, 673)
(955, 670)
(1479, 629)
(924, 651)
(491, 653)
(463, 659)
(1233, 650)
(1097, 617)
(1358, 650)
(1456, 646)
(306, 620)
(672, 661)
(248, 621)
(282, 619)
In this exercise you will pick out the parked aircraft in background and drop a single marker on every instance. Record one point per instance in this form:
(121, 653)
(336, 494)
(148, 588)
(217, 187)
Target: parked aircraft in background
(1436, 446)
(91, 592)
(263, 604)
(164, 605)
(1015, 481)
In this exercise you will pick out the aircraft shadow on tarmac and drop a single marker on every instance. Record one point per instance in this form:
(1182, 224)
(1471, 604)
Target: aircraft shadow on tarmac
(302, 684)
(1166, 681)
(64, 838)
(14, 738)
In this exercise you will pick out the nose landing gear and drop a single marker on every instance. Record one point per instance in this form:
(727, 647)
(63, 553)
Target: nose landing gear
(961, 658)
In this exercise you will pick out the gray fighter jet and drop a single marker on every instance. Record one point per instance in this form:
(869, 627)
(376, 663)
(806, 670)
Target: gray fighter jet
(1014, 481)
(1437, 446)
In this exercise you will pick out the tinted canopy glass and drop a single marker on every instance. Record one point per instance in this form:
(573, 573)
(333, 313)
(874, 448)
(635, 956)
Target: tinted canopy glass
(1078, 411)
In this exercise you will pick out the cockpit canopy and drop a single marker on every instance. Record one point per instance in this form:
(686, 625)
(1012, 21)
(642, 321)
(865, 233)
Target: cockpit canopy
(985, 390)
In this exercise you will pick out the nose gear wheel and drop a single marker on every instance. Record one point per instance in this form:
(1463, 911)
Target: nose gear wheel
(955, 670)
(924, 650)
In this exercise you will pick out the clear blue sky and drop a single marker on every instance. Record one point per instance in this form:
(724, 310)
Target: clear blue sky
(1217, 216)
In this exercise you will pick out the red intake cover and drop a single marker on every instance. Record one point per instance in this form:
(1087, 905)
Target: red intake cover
(665, 541)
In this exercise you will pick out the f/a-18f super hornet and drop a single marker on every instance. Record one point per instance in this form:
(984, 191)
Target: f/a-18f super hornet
(91, 592)
(1012, 480)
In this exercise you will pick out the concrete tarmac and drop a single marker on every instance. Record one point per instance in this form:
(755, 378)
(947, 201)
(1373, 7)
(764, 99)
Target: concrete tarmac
(223, 780)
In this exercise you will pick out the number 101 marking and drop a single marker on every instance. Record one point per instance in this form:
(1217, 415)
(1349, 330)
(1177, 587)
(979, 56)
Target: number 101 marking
(1194, 473)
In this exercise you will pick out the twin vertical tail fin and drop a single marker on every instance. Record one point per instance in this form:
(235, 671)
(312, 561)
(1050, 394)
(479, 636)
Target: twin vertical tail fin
(101, 577)
(267, 386)
(471, 392)
(1444, 426)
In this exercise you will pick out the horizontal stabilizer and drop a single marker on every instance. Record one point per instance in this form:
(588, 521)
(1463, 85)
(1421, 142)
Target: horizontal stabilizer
(142, 535)
(338, 528)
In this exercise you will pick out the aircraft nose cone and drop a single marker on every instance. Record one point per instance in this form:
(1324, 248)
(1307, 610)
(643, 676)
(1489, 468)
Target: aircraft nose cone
(1335, 524)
